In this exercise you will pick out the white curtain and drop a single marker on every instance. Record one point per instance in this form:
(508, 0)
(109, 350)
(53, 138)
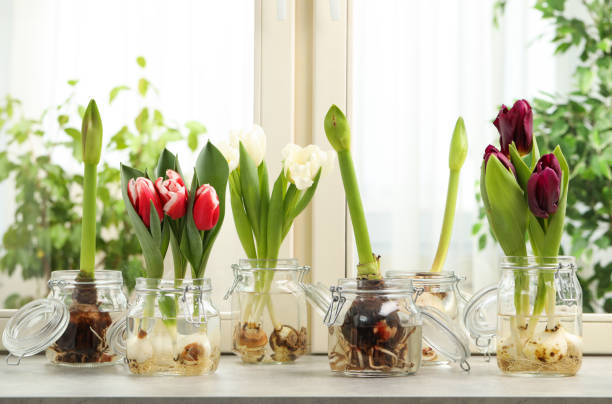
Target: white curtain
(200, 57)
(417, 66)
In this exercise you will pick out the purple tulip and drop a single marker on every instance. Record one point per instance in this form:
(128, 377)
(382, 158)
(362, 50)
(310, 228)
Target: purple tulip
(492, 151)
(544, 186)
(515, 125)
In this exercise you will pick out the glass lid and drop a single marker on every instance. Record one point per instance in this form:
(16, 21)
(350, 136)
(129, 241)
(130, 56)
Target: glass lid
(480, 316)
(35, 327)
(442, 336)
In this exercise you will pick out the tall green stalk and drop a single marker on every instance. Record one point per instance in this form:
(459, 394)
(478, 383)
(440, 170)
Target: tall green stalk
(456, 158)
(339, 135)
(91, 133)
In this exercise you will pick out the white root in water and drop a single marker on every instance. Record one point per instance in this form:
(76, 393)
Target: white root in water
(547, 346)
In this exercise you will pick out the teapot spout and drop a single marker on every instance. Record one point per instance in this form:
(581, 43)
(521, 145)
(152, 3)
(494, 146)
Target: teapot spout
(318, 296)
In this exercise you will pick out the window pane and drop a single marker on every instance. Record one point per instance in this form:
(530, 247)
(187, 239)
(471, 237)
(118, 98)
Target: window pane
(197, 70)
(417, 66)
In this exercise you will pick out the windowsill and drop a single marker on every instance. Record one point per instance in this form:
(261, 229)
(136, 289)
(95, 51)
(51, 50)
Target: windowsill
(307, 381)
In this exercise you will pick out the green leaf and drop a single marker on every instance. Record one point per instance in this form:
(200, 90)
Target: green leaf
(141, 61)
(151, 251)
(191, 240)
(192, 141)
(115, 92)
(196, 127)
(476, 228)
(482, 242)
(249, 185)
(264, 198)
(275, 218)
(211, 168)
(522, 171)
(167, 308)
(143, 86)
(307, 197)
(241, 221)
(62, 119)
(72, 82)
(505, 207)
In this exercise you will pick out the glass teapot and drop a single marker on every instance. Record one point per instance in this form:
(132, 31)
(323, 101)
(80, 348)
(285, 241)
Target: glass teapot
(376, 329)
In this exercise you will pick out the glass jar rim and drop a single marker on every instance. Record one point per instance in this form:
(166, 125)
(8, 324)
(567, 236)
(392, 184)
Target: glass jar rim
(256, 264)
(154, 285)
(561, 262)
(425, 278)
(67, 277)
(370, 286)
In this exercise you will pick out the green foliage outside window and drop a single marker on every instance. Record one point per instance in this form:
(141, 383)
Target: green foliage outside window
(45, 234)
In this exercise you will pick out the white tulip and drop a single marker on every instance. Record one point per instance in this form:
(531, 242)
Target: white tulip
(253, 140)
(229, 148)
(301, 164)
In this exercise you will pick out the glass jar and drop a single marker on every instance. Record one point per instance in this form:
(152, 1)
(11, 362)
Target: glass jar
(375, 328)
(172, 328)
(269, 316)
(438, 290)
(538, 328)
(73, 323)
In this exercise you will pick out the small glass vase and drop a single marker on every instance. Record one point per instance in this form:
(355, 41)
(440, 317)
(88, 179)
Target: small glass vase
(93, 307)
(439, 290)
(172, 328)
(539, 316)
(269, 314)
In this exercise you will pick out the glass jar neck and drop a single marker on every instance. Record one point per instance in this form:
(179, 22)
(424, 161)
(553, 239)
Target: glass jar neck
(425, 278)
(560, 263)
(390, 286)
(152, 285)
(101, 278)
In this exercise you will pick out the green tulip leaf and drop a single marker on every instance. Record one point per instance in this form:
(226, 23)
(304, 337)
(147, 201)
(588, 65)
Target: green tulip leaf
(507, 209)
(264, 199)
(151, 251)
(191, 239)
(249, 184)
(275, 217)
(211, 168)
(241, 221)
(522, 170)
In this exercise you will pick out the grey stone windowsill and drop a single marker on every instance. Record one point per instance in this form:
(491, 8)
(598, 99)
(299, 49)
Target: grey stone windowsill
(307, 381)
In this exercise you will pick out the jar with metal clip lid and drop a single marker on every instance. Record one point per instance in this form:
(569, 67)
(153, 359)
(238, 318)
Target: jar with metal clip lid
(269, 312)
(172, 327)
(376, 329)
(440, 290)
(71, 325)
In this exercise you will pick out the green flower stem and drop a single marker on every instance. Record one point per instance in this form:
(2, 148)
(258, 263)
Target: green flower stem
(88, 235)
(447, 226)
(368, 267)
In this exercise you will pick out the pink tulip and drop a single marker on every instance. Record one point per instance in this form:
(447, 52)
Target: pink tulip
(141, 192)
(173, 194)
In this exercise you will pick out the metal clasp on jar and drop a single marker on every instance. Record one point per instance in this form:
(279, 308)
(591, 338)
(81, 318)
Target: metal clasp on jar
(333, 311)
(191, 316)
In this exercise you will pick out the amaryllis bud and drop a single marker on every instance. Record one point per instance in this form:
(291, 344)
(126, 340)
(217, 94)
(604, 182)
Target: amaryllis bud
(141, 192)
(492, 151)
(544, 186)
(206, 207)
(173, 194)
(515, 125)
